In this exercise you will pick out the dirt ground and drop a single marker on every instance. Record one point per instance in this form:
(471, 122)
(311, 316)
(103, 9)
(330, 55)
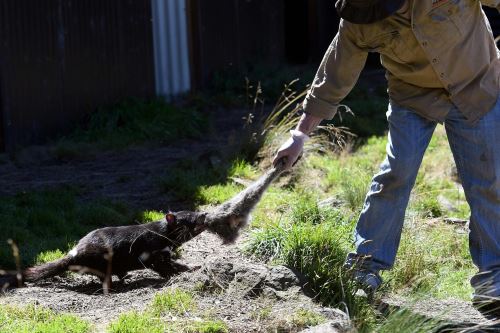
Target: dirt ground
(246, 287)
(129, 175)
(246, 294)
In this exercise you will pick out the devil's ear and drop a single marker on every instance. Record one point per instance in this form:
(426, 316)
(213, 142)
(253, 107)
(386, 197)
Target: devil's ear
(170, 218)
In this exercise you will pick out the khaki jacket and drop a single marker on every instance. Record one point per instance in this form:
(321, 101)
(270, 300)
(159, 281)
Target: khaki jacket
(441, 53)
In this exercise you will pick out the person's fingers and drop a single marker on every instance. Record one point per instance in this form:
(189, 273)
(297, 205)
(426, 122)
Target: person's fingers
(289, 151)
(290, 162)
(278, 156)
(297, 160)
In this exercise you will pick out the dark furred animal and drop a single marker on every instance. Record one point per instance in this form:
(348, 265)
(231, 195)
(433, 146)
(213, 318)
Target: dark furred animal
(118, 250)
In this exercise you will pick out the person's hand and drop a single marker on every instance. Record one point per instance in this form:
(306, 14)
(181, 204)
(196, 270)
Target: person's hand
(291, 149)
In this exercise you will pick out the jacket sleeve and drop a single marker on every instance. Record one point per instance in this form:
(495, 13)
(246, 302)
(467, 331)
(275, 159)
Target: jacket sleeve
(337, 74)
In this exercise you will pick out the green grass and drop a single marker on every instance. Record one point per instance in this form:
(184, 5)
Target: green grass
(170, 311)
(242, 169)
(208, 326)
(433, 258)
(132, 122)
(348, 176)
(151, 216)
(136, 322)
(432, 261)
(47, 256)
(204, 183)
(404, 321)
(35, 319)
(315, 241)
(217, 194)
(46, 224)
(173, 301)
(306, 318)
(145, 322)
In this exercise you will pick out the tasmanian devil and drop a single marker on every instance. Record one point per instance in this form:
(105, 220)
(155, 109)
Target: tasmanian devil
(118, 250)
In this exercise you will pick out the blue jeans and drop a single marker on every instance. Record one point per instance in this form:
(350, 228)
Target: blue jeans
(476, 150)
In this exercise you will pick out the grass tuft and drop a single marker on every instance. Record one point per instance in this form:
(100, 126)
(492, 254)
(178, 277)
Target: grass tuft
(131, 122)
(47, 256)
(151, 216)
(405, 321)
(306, 318)
(174, 301)
(46, 224)
(37, 319)
(208, 326)
(135, 322)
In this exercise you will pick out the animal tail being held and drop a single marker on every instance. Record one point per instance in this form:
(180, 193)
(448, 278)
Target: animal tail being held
(229, 218)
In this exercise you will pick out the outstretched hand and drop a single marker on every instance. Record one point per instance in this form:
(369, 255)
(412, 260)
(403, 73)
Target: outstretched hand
(291, 150)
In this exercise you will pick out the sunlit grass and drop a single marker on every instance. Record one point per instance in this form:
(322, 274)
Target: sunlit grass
(45, 224)
(47, 256)
(170, 311)
(174, 301)
(38, 319)
(151, 215)
(405, 321)
(137, 322)
(217, 194)
(243, 169)
(433, 258)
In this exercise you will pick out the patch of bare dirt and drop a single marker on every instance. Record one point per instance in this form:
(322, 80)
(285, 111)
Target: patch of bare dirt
(129, 175)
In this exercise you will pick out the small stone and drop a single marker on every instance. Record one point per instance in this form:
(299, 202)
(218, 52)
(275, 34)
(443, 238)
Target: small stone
(455, 221)
(329, 327)
(330, 202)
(283, 278)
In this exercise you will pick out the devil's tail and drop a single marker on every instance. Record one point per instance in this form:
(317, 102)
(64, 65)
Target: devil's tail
(47, 270)
(247, 199)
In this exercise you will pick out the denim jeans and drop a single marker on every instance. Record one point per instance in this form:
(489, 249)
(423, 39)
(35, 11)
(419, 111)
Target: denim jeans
(476, 150)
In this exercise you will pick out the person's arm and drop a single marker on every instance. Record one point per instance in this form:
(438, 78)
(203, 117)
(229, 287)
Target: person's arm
(338, 72)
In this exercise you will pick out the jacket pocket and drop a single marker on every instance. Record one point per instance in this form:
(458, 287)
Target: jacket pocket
(446, 24)
(392, 45)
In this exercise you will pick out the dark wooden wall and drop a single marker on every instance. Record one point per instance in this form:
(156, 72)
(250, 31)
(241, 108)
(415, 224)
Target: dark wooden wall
(231, 33)
(60, 59)
(234, 33)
